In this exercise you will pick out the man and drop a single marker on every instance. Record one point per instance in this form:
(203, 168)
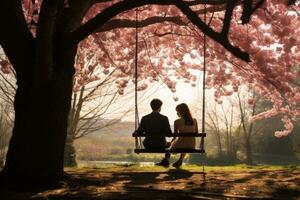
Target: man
(155, 126)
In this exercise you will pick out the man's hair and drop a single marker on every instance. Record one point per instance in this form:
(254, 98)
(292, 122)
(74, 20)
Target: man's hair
(155, 104)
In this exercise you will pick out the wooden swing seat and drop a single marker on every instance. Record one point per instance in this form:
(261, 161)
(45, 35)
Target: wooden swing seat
(173, 135)
(186, 150)
(169, 151)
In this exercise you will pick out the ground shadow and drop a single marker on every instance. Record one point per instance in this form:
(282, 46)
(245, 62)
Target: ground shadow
(125, 183)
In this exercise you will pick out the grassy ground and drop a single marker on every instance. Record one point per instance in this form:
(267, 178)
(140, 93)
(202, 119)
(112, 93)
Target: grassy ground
(135, 182)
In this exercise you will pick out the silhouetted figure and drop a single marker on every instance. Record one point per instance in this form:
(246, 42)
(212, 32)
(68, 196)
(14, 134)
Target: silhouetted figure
(155, 126)
(185, 124)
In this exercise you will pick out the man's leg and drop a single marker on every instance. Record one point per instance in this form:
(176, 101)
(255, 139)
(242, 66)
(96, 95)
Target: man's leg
(167, 156)
(165, 161)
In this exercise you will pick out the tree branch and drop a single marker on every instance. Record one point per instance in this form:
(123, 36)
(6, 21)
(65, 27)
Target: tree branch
(45, 36)
(227, 18)
(193, 17)
(248, 10)
(100, 19)
(190, 3)
(209, 2)
(16, 40)
(126, 23)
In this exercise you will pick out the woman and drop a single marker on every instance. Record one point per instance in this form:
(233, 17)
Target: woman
(185, 124)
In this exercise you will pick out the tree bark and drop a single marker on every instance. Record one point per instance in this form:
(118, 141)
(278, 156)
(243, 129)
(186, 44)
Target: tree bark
(73, 120)
(249, 159)
(70, 153)
(219, 144)
(220, 152)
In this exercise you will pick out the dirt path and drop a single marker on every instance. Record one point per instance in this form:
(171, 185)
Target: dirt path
(130, 183)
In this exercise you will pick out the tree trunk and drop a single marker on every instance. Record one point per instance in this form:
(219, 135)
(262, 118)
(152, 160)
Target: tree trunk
(1, 162)
(219, 144)
(73, 120)
(249, 159)
(227, 143)
(36, 149)
(70, 153)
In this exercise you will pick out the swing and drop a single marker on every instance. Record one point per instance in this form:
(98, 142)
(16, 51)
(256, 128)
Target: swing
(138, 137)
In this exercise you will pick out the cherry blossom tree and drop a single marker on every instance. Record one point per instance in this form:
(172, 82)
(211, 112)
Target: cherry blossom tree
(41, 39)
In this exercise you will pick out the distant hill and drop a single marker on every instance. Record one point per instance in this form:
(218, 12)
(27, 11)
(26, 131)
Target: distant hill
(103, 144)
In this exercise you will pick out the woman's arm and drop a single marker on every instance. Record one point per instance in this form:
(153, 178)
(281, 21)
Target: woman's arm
(176, 126)
(175, 129)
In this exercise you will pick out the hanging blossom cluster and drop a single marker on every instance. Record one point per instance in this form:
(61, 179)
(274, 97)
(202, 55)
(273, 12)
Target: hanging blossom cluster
(274, 48)
(85, 65)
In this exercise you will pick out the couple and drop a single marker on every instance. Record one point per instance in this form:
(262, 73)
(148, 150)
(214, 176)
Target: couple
(156, 125)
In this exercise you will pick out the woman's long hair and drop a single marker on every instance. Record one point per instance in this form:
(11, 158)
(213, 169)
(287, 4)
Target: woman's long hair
(185, 113)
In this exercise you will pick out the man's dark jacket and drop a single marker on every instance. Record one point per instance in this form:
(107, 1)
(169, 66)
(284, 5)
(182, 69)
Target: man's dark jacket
(155, 126)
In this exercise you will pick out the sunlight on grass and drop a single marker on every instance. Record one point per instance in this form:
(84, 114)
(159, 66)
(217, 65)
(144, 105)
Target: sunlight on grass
(137, 168)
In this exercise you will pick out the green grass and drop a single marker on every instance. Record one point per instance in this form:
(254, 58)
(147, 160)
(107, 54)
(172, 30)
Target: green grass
(137, 168)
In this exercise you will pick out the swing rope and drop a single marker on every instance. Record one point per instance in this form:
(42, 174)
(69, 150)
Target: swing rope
(203, 92)
(203, 83)
(137, 143)
(138, 140)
